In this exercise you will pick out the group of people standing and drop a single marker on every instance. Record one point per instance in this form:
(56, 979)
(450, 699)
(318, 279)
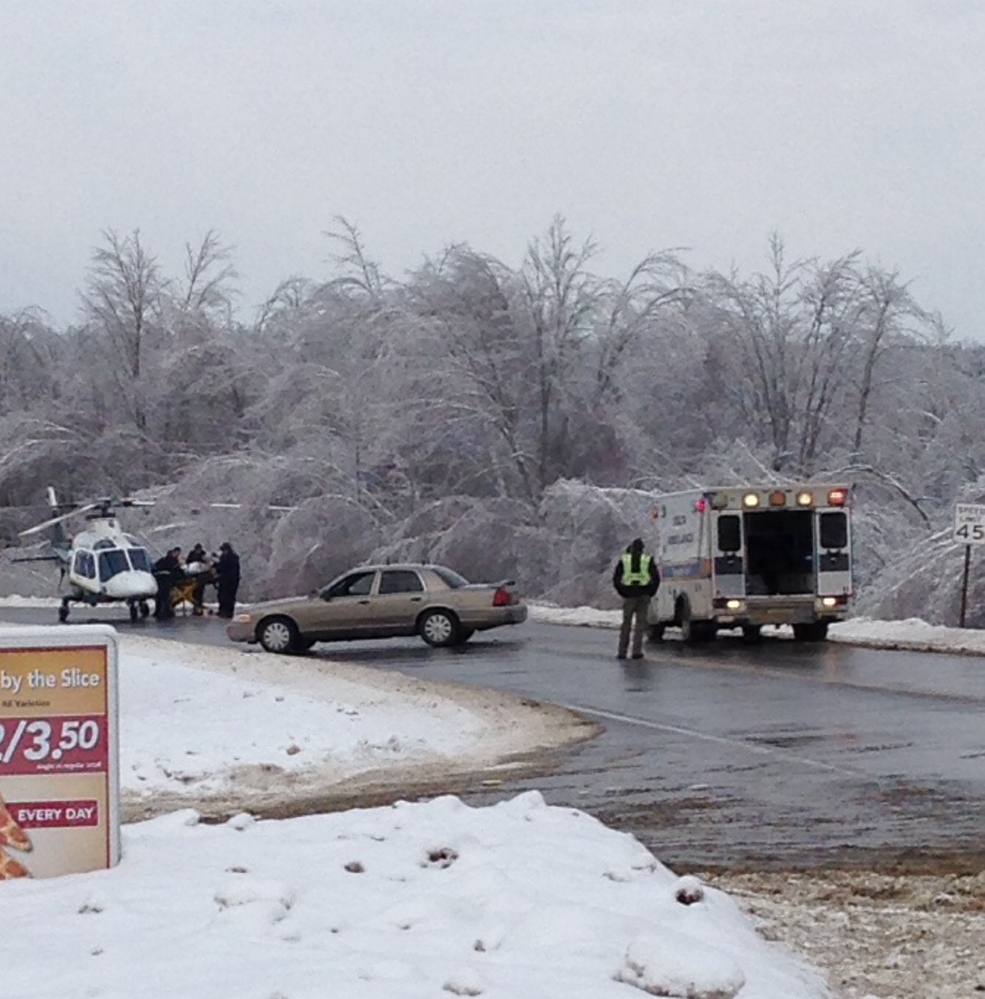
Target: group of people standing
(221, 570)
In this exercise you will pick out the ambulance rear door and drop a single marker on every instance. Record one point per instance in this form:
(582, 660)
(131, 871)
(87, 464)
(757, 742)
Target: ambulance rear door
(833, 559)
(728, 548)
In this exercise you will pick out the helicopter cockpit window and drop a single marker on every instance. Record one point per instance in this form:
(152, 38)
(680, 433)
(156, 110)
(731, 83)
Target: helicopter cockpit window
(112, 562)
(140, 559)
(84, 565)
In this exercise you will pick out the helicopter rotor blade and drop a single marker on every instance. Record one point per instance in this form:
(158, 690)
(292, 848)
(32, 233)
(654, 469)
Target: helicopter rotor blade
(108, 503)
(104, 504)
(239, 506)
(44, 525)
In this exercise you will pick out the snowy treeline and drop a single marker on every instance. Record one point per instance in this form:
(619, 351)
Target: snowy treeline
(507, 420)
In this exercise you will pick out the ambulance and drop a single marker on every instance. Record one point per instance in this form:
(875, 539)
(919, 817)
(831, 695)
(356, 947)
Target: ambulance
(740, 557)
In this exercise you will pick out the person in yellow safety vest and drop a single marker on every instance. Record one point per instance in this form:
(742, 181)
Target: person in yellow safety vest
(636, 579)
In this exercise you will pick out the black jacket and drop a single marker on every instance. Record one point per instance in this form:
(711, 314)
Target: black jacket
(227, 568)
(197, 554)
(167, 565)
(636, 589)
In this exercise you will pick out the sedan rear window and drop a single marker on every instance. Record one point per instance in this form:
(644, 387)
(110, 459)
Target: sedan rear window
(400, 581)
(449, 577)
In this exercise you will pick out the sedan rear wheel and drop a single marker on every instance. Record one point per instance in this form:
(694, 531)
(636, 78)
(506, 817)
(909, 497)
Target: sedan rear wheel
(278, 634)
(440, 628)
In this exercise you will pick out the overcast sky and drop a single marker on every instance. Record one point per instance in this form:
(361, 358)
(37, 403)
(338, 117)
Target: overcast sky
(648, 124)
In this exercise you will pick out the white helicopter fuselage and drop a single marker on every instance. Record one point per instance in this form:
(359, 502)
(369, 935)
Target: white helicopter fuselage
(107, 565)
(101, 564)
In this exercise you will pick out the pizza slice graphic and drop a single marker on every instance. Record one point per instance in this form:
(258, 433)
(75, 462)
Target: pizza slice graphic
(11, 833)
(9, 868)
(13, 836)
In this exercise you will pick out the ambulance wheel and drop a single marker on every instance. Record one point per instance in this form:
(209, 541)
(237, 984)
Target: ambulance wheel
(814, 631)
(144, 608)
(134, 612)
(63, 613)
(655, 632)
(752, 633)
(693, 631)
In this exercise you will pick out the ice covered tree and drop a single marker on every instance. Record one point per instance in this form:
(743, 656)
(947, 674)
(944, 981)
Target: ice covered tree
(29, 349)
(467, 377)
(122, 301)
(202, 356)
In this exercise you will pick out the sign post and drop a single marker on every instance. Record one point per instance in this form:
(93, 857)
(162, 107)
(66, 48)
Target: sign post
(969, 529)
(59, 761)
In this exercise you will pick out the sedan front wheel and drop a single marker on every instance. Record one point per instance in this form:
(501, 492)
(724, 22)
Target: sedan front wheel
(439, 628)
(278, 634)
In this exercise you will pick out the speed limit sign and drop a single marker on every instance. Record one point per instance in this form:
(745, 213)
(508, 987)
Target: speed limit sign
(969, 523)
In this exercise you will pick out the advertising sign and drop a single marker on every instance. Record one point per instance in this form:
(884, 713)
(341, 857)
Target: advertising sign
(59, 764)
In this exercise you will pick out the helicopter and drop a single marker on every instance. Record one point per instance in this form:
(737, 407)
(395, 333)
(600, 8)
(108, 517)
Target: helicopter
(103, 564)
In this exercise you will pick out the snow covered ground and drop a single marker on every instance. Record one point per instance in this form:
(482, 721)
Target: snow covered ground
(304, 727)
(514, 900)
(519, 899)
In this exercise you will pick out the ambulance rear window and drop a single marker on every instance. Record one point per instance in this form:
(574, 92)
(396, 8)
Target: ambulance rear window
(729, 536)
(834, 530)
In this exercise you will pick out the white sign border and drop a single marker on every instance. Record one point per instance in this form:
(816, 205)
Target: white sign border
(73, 636)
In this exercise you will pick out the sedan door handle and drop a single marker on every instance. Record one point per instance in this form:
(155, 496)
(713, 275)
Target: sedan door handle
(363, 601)
(415, 600)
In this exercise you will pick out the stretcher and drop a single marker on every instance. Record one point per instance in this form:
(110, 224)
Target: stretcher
(183, 589)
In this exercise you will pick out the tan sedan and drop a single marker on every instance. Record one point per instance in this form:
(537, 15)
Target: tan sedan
(382, 601)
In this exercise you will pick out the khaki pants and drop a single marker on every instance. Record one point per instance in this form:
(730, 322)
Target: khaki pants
(633, 608)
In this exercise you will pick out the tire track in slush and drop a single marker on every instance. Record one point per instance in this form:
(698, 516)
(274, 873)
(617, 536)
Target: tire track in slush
(692, 733)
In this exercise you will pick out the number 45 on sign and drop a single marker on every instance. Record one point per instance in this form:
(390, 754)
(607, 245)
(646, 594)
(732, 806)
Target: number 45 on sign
(969, 523)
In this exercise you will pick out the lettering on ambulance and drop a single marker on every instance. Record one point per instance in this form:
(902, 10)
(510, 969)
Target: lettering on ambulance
(697, 569)
(680, 539)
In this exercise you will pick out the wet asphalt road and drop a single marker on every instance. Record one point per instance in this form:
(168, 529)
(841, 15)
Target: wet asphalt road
(728, 755)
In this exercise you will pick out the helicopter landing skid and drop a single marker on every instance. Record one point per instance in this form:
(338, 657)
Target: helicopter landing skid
(139, 608)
